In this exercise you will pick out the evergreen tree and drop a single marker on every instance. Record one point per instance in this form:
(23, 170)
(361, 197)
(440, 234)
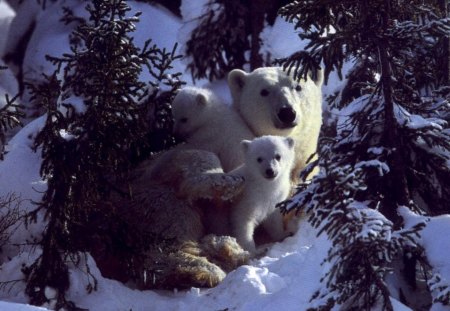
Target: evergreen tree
(10, 215)
(392, 147)
(226, 33)
(219, 42)
(10, 115)
(97, 121)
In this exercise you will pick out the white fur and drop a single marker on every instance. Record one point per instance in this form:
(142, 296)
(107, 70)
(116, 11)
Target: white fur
(256, 204)
(206, 123)
(259, 97)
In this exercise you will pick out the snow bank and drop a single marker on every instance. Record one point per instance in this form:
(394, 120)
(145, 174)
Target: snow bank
(51, 35)
(287, 276)
(8, 84)
(19, 175)
(9, 306)
(434, 239)
(6, 16)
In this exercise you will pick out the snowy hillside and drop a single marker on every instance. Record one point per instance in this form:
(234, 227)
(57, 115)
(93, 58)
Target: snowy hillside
(285, 279)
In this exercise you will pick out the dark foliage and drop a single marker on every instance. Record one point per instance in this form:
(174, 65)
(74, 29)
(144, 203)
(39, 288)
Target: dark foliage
(10, 215)
(99, 118)
(219, 42)
(10, 115)
(227, 37)
(392, 140)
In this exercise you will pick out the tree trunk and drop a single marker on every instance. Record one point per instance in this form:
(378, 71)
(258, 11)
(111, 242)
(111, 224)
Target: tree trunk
(397, 192)
(258, 9)
(443, 7)
(396, 189)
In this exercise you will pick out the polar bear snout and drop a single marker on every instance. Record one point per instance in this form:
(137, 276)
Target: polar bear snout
(270, 173)
(287, 117)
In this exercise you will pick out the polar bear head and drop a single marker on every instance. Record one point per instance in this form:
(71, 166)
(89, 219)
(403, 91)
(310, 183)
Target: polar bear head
(269, 156)
(191, 111)
(272, 102)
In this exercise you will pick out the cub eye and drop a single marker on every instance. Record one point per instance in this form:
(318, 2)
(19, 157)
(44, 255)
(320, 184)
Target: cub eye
(183, 120)
(277, 157)
(264, 92)
(259, 160)
(298, 88)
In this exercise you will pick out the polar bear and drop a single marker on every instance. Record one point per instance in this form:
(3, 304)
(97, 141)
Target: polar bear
(205, 122)
(166, 201)
(273, 103)
(266, 171)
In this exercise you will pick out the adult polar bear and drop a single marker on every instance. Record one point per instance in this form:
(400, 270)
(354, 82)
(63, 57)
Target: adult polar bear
(273, 103)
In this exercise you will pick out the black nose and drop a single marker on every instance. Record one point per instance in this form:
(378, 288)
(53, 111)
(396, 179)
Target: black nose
(286, 115)
(270, 173)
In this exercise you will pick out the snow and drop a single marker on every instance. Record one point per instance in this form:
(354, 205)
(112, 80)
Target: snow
(416, 122)
(191, 10)
(26, 14)
(285, 278)
(267, 283)
(382, 167)
(45, 40)
(281, 40)
(8, 84)
(6, 16)
(50, 40)
(19, 175)
(9, 306)
(434, 239)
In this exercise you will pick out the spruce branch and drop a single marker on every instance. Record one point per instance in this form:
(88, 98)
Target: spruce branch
(391, 146)
(97, 122)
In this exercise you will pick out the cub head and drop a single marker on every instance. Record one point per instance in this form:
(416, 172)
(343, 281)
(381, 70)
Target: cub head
(190, 111)
(269, 156)
(271, 102)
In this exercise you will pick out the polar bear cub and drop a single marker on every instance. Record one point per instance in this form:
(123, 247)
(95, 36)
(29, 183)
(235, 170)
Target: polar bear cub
(266, 171)
(271, 102)
(206, 123)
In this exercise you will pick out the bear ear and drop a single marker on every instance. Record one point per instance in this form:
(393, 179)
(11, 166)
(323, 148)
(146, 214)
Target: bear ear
(289, 142)
(201, 100)
(236, 82)
(245, 145)
(318, 79)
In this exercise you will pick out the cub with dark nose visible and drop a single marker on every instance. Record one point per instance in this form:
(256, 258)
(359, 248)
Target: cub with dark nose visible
(266, 173)
(272, 102)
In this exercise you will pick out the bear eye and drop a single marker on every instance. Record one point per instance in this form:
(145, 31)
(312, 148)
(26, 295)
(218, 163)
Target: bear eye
(259, 160)
(298, 88)
(277, 157)
(264, 92)
(183, 120)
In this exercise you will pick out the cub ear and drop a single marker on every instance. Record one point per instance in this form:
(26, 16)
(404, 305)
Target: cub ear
(201, 100)
(236, 82)
(289, 142)
(245, 145)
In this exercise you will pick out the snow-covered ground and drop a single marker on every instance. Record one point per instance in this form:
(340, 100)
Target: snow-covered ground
(284, 279)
